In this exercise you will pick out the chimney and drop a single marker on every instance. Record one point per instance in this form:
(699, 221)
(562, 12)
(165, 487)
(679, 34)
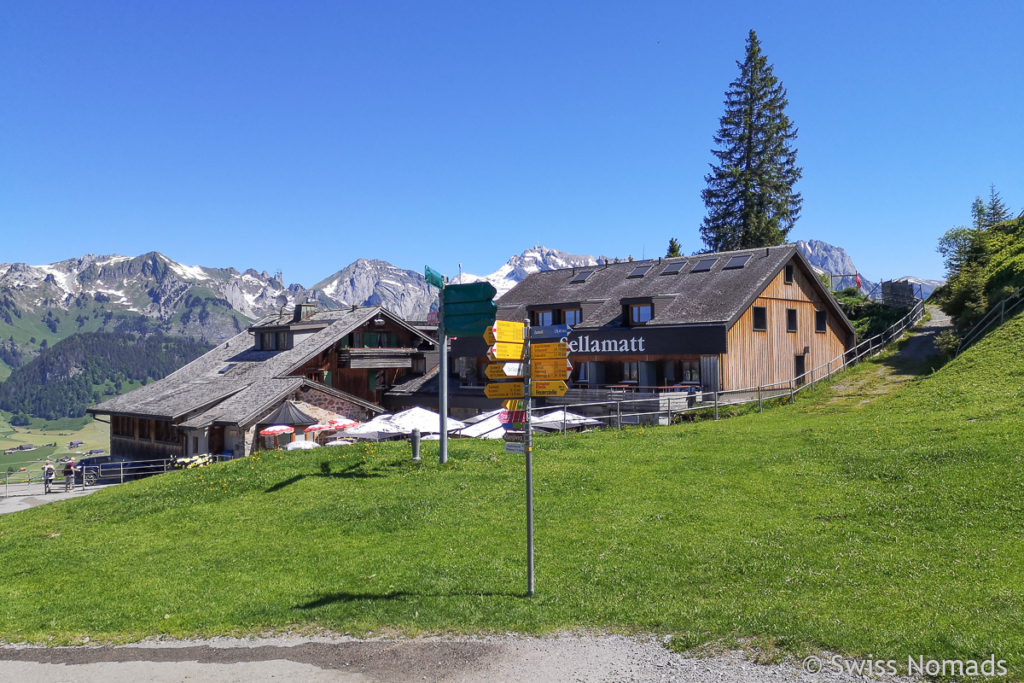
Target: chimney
(303, 311)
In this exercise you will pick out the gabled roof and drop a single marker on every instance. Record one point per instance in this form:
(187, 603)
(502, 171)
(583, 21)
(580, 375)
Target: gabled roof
(234, 383)
(706, 289)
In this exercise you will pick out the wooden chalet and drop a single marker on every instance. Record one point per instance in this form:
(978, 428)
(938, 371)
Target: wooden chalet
(716, 322)
(339, 361)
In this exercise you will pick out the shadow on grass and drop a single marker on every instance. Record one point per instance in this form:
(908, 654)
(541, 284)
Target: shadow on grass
(356, 470)
(345, 597)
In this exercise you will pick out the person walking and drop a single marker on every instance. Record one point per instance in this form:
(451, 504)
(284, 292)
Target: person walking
(69, 475)
(49, 474)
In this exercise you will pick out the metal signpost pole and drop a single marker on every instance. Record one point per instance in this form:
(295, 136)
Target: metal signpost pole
(528, 402)
(442, 391)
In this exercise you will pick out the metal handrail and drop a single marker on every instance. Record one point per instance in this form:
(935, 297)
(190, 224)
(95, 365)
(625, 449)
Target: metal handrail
(868, 347)
(982, 325)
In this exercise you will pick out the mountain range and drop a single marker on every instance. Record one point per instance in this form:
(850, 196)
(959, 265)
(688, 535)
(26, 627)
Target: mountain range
(152, 293)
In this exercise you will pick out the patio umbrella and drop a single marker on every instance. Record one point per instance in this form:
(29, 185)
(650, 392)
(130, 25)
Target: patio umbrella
(302, 445)
(342, 423)
(339, 442)
(316, 429)
(276, 431)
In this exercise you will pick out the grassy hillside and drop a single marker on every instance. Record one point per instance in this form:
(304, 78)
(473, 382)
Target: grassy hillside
(884, 525)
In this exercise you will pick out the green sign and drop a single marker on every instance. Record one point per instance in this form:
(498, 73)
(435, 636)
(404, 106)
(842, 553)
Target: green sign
(469, 320)
(473, 291)
(469, 309)
(433, 277)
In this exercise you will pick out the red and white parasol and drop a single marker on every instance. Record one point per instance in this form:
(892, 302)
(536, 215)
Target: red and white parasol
(277, 429)
(316, 429)
(342, 423)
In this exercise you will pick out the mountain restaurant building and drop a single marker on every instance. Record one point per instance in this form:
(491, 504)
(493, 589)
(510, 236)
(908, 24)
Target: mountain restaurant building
(340, 362)
(718, 322)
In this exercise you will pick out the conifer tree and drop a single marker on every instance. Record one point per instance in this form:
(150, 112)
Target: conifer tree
(749, 197)
(673, 248)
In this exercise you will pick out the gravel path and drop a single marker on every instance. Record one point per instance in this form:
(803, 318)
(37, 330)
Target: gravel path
(494, 659)
(921, 346)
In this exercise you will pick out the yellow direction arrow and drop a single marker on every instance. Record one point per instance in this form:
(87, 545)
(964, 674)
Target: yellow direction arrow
(550, 369)
(548, 388)
(504, 331)
(504, 390)
(505, 351)
(513, 404)
(504, 370)
(550, 351)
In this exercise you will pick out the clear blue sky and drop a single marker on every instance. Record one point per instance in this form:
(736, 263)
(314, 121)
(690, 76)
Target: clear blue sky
(302, 135)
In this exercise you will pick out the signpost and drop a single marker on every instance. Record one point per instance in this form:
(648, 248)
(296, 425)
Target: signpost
(504, 371)
(463, 311)
(503, 390)
(550, 351)
(469, 308)
(504, 331)
(505, 351)
(548, 388)
(555, 368)
(550, 332)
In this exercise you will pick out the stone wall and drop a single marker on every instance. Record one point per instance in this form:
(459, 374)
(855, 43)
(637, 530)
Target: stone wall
(330, 403)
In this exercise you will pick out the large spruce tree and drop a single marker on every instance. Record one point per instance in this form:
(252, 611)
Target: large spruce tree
(750, 198)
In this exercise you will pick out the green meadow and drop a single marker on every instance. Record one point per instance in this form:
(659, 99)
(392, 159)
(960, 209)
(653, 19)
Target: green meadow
(871, 518)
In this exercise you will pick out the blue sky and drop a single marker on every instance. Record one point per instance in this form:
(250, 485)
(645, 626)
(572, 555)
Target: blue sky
(299, 136)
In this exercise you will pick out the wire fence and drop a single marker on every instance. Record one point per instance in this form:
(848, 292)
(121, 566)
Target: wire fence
(664, 408)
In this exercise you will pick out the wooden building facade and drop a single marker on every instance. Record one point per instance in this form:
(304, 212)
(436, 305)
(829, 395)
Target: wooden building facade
(341, 362)
(714, 322)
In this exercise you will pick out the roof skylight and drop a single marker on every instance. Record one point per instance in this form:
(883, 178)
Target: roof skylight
(673, 268)
(737, 262)
(704, 265)
(639, 271)
(581, 276)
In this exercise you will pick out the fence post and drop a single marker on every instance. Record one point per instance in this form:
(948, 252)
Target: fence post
(792, 391)
(564, 413)
(618, 413)
(760, 403)
(716, 405)
(668, 411)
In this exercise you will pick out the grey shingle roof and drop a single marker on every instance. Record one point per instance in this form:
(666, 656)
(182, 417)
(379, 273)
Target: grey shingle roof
(252, 379)
(717, 296)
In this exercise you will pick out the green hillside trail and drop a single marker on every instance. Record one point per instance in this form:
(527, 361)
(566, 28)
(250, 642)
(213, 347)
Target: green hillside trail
(913, 359)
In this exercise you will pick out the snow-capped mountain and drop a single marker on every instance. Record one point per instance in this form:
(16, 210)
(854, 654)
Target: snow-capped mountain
(837, 264)
(926, 286)
(533, 260)
(367, 282)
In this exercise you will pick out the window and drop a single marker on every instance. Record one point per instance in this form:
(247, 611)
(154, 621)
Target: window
(704, 265)
(691, 371)
(760, 318)
(673, 268)
(639, 314)
(195, 445)
(631, 371)
(790, 320)
(143, 428)
(282, 340)
(267, 341)
(820, 321)
(584, 373)
(543, 317)
(789, 274)
(572, 316)
(581, 276)
(639, 271)
(737, 262)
